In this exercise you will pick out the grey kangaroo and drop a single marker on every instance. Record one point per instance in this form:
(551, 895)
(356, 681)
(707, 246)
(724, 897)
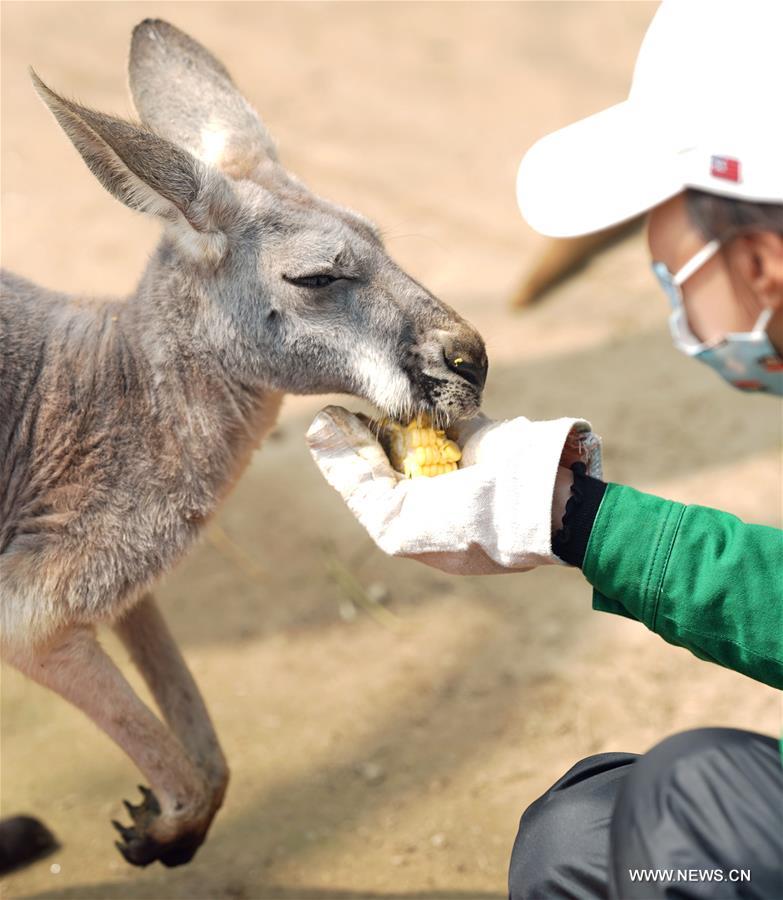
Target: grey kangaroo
(125, 422)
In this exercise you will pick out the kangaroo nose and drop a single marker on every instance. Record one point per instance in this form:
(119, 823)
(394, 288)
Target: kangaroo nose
(469, 361)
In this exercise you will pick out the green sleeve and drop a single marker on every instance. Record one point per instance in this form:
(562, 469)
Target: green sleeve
(698, 577)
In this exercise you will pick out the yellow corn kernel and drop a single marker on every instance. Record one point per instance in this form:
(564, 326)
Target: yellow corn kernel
(418, 450)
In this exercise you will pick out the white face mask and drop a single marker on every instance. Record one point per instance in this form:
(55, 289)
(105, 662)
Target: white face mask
(747, 359)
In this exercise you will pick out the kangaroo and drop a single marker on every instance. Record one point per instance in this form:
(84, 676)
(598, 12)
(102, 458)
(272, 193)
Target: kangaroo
(125, 422)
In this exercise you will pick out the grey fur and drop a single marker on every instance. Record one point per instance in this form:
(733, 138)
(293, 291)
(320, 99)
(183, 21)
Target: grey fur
(124, 422)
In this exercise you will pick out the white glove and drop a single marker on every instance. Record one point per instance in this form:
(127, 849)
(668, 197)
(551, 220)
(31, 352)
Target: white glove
(494, 514)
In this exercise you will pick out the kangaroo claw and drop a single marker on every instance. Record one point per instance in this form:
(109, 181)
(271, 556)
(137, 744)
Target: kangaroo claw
(126, 833)
(140, 848)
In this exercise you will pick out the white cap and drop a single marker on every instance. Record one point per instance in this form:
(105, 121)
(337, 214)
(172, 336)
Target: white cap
(705, 111)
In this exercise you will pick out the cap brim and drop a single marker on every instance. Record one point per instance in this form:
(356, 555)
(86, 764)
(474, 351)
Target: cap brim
(596, 173)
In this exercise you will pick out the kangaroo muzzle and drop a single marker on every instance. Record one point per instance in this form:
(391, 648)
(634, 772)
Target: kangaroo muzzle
(465, 355)
(448, 373)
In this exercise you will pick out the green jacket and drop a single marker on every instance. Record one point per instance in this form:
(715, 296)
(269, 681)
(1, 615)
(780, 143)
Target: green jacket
(700, 578)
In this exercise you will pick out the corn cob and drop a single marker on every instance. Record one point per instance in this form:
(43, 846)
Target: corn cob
(417, 449)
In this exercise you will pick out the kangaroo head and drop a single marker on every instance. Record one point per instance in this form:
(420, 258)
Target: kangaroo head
(288, 290)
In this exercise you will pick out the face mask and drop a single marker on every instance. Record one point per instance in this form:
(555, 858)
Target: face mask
(747, 360)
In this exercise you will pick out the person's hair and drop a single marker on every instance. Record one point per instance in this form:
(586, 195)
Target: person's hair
(723, 217)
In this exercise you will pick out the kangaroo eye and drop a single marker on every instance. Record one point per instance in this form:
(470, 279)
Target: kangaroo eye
(311, 281)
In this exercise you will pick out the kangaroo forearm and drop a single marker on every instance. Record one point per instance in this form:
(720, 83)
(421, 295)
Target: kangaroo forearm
(145, 634)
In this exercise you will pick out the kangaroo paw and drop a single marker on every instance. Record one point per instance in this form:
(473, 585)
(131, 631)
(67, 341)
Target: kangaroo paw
(138, 844)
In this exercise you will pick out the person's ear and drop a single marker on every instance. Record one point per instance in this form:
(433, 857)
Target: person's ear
(758, 260)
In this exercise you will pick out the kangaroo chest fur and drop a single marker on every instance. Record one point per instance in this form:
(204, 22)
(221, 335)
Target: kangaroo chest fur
(110, 461)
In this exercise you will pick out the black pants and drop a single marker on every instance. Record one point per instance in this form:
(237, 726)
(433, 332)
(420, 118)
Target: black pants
(706, 805)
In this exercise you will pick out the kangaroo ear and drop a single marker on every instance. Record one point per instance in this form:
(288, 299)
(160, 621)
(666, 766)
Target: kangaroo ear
(144, 171)
(186, 95)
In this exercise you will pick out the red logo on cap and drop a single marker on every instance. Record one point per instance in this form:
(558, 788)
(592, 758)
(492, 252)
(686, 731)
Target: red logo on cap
(725, 167)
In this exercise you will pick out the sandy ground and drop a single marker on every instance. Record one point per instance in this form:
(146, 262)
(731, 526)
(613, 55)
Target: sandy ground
(376, 760)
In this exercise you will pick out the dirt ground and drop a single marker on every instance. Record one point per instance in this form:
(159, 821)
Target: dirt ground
(383, 755)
